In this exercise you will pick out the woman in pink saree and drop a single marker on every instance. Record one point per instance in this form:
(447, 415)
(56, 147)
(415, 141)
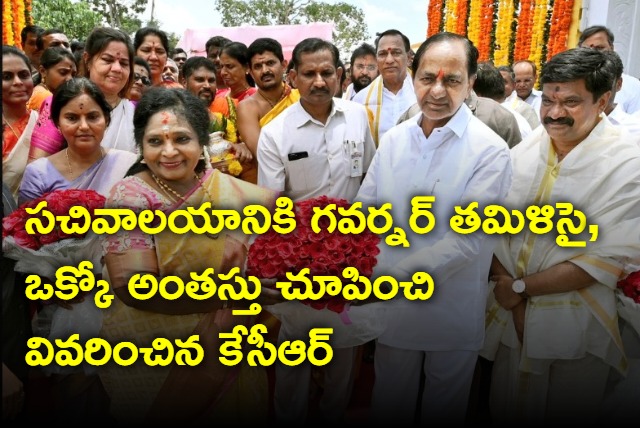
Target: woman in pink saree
(108, 62)
(171, 129)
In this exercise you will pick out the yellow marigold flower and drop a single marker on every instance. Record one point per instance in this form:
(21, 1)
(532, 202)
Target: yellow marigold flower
(235, 168)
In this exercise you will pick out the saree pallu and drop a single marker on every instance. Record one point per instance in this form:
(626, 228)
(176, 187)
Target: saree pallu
(210, 392)
(15, 162)
(118, 135)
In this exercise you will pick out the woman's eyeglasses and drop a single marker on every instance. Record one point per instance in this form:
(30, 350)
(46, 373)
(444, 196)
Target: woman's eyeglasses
(145, 80)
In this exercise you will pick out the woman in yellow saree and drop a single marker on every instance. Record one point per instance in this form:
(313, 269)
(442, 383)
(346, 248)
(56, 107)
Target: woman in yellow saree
(171, 130)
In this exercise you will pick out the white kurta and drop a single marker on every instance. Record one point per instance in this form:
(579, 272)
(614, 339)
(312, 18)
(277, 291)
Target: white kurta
(461, 162)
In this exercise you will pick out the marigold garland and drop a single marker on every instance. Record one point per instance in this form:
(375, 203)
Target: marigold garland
(16, 14)
(7, 27)
(473, 27)
(462, 11)
(504, 32)
(523, 35)
(560, 23)
(434, 16)
(537, 32)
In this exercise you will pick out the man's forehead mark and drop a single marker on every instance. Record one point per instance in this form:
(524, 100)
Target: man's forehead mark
(81, 106)
(557, 89)
(440, 74)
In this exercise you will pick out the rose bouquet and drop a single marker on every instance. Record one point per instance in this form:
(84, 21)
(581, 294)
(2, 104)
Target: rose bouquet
(272, 255)
(628, 295)
(43, 254)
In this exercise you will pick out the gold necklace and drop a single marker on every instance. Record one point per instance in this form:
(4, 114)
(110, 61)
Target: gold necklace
(170, 191)
(66, 152)
(167, 189)
(272, 104)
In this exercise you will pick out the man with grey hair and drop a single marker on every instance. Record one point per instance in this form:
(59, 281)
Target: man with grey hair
(513, 102)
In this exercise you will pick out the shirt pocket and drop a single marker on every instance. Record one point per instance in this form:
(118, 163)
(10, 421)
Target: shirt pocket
(304, 174)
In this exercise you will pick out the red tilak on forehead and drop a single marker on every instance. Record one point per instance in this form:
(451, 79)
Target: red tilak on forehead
(440, 74)
(165, 117)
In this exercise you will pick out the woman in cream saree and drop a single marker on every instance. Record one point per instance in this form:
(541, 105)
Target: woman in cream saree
(210, 392)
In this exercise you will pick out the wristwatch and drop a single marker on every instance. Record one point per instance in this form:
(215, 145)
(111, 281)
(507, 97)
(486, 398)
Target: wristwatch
(519, 286)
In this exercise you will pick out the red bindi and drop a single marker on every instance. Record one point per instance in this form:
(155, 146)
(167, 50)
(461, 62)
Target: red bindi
(165, 117)
(440, 74)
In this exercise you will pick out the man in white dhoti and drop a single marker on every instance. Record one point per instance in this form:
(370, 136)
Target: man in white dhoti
(551, 320)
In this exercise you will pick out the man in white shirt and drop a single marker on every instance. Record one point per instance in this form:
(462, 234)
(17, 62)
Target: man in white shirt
(526, 77)
(601, 38)
(391, 93)
(320, 145)
(511, 101)
(490, 84)
(446, 152)
(363, 70)
(613, 110)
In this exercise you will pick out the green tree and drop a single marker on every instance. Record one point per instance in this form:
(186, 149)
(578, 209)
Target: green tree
(77, 20)
(121, 14)
(349, 26)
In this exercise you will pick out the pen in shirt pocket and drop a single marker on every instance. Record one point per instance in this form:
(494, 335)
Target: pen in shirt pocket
(435, 183)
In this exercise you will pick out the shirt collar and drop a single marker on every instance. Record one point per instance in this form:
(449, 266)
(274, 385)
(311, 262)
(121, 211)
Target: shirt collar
(301, 117)
(457, 124)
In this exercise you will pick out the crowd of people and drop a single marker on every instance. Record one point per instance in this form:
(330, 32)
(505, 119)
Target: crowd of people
(518, 330)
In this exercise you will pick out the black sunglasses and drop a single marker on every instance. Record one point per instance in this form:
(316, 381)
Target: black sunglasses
(145, 80)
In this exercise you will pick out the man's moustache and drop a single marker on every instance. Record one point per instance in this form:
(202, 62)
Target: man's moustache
(320, 91)
(561, 121)
(267, 75)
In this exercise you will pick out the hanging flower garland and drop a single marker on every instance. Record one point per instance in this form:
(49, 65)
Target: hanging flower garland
(16, 14)
(18, 23)
(28, 16)
(451, 10)
(537, 33)
(475, 16)
(560, 23)
(504, 32)
(435, 16)
(7, 27)
(488, 30)
(523, 35)
(461, 23)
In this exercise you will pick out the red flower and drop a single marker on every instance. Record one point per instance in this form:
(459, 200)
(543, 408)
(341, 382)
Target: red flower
(323, 253)
(630, 286)
(59, 202)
